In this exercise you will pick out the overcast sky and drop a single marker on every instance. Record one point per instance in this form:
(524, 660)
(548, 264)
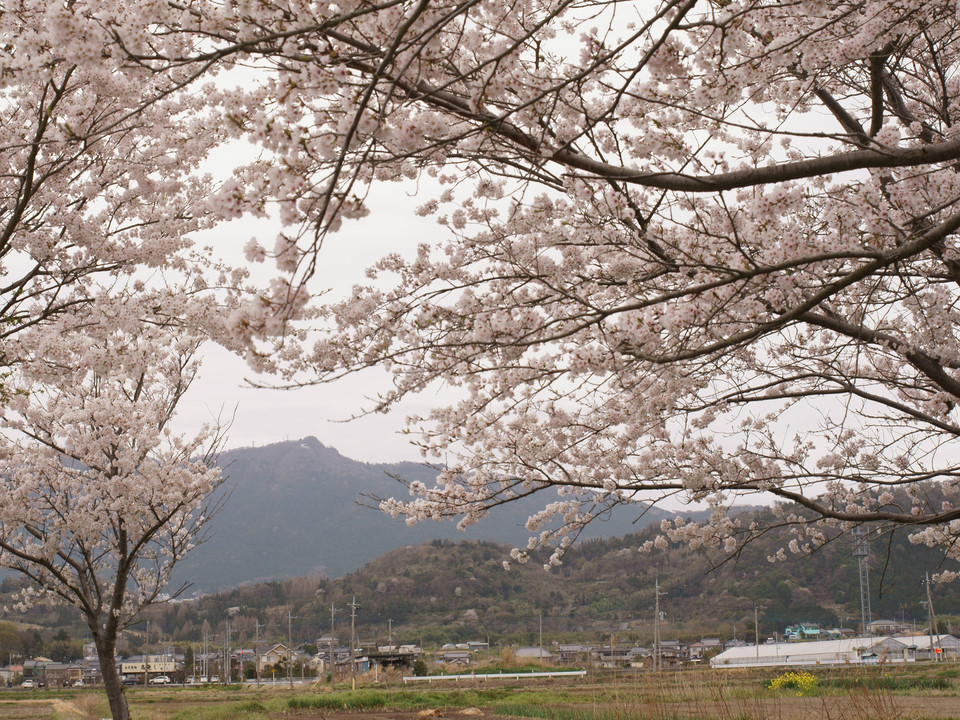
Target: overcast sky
(267, 416)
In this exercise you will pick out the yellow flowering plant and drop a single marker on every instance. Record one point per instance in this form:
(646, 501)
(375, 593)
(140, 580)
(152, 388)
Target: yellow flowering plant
(804, 682)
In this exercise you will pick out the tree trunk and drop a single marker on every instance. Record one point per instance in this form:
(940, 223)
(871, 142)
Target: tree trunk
(106, 654)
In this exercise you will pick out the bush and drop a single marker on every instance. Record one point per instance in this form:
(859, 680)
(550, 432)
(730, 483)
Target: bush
(419, 668)
(803, 682)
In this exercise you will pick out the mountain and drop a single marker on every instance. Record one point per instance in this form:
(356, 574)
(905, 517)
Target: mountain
(292, 508)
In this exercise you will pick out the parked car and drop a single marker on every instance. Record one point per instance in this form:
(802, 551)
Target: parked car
(160, 680)
(78, 683)
(131, 680)
(28, 683)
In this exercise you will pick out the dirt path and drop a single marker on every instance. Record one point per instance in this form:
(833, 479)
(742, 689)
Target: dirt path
(850, 707)
(458, 714)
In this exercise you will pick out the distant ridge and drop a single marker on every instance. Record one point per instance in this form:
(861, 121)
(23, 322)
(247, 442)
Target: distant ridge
(443, 591)
(293, 510)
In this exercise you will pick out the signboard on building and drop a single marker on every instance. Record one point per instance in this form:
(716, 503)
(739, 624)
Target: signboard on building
(152, 665)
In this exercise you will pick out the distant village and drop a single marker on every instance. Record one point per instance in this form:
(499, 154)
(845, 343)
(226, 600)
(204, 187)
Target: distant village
(803, 644)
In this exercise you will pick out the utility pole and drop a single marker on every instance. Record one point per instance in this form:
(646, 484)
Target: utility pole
(756, 631)
(932, 617)
(256, 653)
(333, 659)
(656, 626)
(226, 655)
(146, 655)
(390, 633)
(354, 606)
(290, 648)
(540, 658)
(206, 656)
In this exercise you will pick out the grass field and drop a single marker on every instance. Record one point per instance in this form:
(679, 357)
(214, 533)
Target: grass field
(912, 692)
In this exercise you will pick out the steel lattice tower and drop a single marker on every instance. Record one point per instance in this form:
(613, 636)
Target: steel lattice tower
(861, 550)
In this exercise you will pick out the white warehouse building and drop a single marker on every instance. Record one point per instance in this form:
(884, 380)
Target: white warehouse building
(849, 651)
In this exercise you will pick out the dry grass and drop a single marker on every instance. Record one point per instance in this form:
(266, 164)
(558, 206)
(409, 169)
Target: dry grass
(879, 694)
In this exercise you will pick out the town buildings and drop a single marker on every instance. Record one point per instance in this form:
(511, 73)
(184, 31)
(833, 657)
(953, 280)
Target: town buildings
(846, 651)
(270, 662)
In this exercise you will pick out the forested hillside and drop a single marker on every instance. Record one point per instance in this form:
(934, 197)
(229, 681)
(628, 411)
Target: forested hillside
(443, 591)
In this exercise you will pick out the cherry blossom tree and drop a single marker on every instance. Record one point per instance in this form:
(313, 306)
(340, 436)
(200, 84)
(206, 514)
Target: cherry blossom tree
(104, 300)
(99, 498)
(696, 248)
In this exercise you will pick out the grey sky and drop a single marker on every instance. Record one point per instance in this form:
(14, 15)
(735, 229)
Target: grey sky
(266, 416)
